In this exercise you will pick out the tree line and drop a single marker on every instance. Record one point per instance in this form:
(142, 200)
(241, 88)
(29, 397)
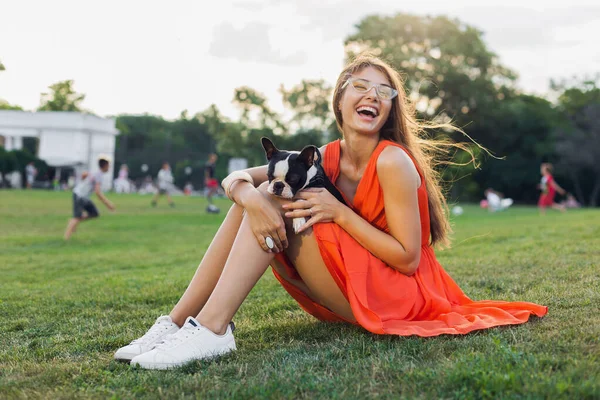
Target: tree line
(449, 73)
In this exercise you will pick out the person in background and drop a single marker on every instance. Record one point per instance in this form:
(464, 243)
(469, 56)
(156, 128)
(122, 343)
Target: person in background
(496, 200)
(165, 184)
(30, 172)
(188, 188)
(122, 184)
(210, 182)
(71, 181)
(549, 187)
(570, 202)
(92, 183)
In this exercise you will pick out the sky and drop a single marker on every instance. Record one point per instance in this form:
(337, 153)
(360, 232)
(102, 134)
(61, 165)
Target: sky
(159, 57)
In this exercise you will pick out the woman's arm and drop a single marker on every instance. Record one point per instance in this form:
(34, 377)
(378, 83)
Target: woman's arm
(259, 174)
(401, 249)
(265, 220)
(241, 189)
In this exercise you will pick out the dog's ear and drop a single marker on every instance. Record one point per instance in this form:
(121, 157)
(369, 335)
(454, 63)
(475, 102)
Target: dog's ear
(269, 147)
(307, 156)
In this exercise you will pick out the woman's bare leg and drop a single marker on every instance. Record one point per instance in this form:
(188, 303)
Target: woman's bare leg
(247, 262)
(245, 265)
(304, 253)
(205, 279)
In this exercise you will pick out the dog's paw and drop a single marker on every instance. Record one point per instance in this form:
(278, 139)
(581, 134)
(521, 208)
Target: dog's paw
(298, 223)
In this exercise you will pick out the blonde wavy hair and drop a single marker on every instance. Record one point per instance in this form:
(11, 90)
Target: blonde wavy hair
(402, 127)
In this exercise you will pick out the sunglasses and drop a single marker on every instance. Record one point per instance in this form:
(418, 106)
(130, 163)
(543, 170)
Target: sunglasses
(384, 92)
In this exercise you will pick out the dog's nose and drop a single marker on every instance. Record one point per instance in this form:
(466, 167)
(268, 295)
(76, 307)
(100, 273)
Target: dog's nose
(278, 187)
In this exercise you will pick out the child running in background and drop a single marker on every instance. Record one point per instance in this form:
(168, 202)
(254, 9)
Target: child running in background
(92, 183)
(549, 187)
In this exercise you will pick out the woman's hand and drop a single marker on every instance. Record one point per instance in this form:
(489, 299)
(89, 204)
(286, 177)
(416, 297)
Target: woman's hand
(315, 203)
(266, 221)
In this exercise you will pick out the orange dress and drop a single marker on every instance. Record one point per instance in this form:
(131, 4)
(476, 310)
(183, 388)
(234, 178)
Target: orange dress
(383, 300)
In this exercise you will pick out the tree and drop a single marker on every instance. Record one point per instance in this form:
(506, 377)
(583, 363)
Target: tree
(255, 111)
(214, 122)
(152, 140)
(447, 66)
(576, 94)
(8, 163)
(62, 97)
(310, 101)
(520, 131)
(5, 105)
(578, 137)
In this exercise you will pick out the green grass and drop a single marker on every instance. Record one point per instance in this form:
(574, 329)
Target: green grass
(66, 307)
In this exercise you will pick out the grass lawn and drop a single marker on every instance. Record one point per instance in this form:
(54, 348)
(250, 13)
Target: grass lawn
(66, 307)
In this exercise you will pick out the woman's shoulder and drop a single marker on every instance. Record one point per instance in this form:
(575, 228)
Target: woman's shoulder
(323, 149)
(394, 161)
(396, 157)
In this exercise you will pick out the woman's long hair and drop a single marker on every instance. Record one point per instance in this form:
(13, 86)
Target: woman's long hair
(403, 128)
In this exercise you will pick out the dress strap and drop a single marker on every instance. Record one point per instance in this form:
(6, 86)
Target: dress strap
(331, 162)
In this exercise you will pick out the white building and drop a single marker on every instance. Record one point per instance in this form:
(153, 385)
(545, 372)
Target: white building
(66, 139)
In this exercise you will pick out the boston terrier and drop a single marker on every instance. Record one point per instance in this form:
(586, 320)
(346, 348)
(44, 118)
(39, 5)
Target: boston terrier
(292, 171)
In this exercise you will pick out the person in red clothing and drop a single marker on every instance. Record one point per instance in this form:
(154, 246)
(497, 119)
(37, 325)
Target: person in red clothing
(210, 183)
(549, 187)
(368, 262)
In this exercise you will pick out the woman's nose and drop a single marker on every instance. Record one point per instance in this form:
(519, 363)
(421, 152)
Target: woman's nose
(372, 93)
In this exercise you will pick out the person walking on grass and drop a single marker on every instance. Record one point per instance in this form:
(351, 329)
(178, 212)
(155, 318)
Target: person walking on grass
(549, 187)
(369, 262)
(165, 184)
(211, 184)
(92, 183)
(30, 172)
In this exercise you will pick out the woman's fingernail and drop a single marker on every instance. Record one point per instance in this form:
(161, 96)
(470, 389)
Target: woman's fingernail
(288, 214)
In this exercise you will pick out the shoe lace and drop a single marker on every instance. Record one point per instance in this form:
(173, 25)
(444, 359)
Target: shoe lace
(153, 333)
(175, 338)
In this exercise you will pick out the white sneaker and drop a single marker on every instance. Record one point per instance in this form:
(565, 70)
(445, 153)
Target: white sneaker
(191, 342)
(163, 326)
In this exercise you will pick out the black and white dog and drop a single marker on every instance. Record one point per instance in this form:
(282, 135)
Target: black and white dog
(292, 171)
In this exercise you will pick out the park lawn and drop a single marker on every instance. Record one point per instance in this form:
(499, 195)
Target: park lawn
(66, 307)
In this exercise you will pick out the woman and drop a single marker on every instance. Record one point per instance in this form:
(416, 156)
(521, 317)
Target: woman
(370, 262)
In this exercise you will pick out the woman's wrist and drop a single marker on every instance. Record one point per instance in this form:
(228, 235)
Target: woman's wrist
(232, 179)
(241, 193)
(342, 215)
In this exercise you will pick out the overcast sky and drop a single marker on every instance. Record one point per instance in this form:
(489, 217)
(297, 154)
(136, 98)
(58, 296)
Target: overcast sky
(161, 57)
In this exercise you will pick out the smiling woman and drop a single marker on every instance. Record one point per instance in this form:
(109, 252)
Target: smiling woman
(367, 261)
